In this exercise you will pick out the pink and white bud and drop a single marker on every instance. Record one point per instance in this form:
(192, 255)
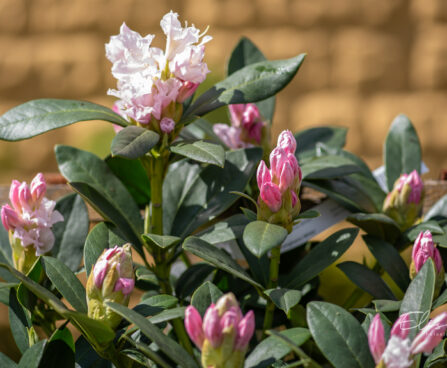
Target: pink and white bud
(287, 177)
(423, 249)
(250, 114)
(124, 284)
(416, 184)
(25, 198)
(10, 218)
(430, 336)
(167, 125)
(245, 331)
(376, 338)
(287, 141)
(402, 326)
(397, 353)
(271, 195)
(211, 326)
(278, 157)
(14, 195)
(236, 113)
(263, 174)
(193, 326)
(38, 188)
(230, 136)
(186, 90)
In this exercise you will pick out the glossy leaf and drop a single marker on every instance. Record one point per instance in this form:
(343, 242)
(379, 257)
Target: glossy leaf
(201, 151)
(339, 336)
(133, 142)
(284, 299)
(6, 362)
(432, 226)
(261, 237)
(328, 167)
(5, 255)
(39, 116)
(204, 296)
(377, 224)
(19, 322)
(31, 358)
(228, 229)
(162, 241)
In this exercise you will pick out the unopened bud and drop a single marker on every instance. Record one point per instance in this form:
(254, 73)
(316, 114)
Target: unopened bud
(376, 338)
(167, 125)
(430, 336)
(287, 141)
(38, 188)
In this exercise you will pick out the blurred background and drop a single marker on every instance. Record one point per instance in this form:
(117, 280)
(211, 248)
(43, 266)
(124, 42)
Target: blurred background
(368, 60)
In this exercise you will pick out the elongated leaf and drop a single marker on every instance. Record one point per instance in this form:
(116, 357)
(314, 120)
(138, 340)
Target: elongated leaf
(259, 267)
(200, 151)
(339, 336)
(226, 230)
(32, 356)
(91, 177)
(19, 322)
(377, 224)
(402, 150)
(66, 282)
(439, 209)
(133, 142)
(320, 257)
(6, 362)
(432, 226)
(167, 345)
(206, 294)
(217, 257)
(5, 255)
(271, 349)
(390, 259)
(284, 299)
(260, 237)
(70, 234)
(418, 298)
(366, 280)
(87, 357)
(328, 167)
(168, 315)
(162, 241)
(58, 354)
(39, 116)
(192, 278)
(252, 83)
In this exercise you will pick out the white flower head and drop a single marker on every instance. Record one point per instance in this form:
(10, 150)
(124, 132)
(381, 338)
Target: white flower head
(397, 353)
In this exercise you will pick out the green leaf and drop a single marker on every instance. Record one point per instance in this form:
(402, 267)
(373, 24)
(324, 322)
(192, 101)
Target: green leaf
(328, 167)
(366, 280)
(259, 267)
(252, 83)
(339, 336)
(402, 150)
(201, 151)
(321, 257)
(309, 214)
(168, 315)
(192, 278)
(246, 53)
(58, 354)
(5, 255)
(133, 176)
(71, 233)
(39, 116)
(6, 362)
(390, 259)
(167, 345)
(19, 322)
(133, 142)
(162, 241)
(91, 177)
(432, 226)
(284, 299)
(161, 301)
(418, 298)
(377, 224)
(66, 283)
(217, 257)
(31, 358)
(439, 209)
(271, 349)
(229, 229)
(260, 237)
(206, 294)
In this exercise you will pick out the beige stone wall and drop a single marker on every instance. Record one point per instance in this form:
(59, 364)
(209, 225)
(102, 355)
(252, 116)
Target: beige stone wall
(368, 60)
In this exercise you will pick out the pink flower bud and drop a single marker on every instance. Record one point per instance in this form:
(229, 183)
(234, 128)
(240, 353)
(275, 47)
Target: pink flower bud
(236, 112)
(424, 249)
(250, 115)
(245, 331)
(25, 198)
(286, 178)
(38, 188)
(402, 326)
(186, 90)
(376, 338)
(99, 272)
(14, 195)
(416, 184)
(125, 285)
(295, 166)
(211, 326)
(263, 174)
(294, 198)
(193, 326)
(10, 218)
(167, 125)
(271, 195)
(277, 159)
(287, 141)
(229, 135)
(430, 336)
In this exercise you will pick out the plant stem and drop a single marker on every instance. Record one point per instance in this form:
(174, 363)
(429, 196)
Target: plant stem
(273, 282)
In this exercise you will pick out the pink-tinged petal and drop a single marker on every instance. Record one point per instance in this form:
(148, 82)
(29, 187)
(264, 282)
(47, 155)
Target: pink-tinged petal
(167, 125)
(186, 90)
(229, 135)
(250, 115)
(430, 336)
(56, 216)
(10, 218)
(402, 326)
(277, 159)
(25, 197)
(376, 338)
(230, 319)
(294, 198)
(417, 186)
(397, 353)
(236, 112)
(438, 260)
(263, 174)
(99, 272)
(211, 326)
(14, 195)
(423, 249)
(286, 178)
(271, 195)
(254, 132)
(38, 187)
(125, 285)
(45, 241)
(245, 331)
(287, 141)
(193, 326)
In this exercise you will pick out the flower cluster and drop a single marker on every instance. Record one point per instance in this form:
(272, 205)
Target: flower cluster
(224, 334)
(404, 202)
(279, 187)
(30, 219)
(247, 127)
(400, 350)
(153, 83)
(111, 279)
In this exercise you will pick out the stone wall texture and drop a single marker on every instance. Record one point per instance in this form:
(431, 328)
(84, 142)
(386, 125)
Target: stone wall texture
(368, 60)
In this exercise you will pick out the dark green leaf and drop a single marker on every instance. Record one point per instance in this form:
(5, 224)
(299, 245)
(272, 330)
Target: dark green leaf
(6, 362)
(39, 116)
(439, 209)
(162, 241)
(206, 294)
(58, 354)
(261, 237)
(376, 224)
(87, 357)
(19, 322)
(402, 150)
(133, 142)
(339, 336)
(226, 230)
(168, 315)
(200, 151)
(161, 301)
(66, 283)
(309, 214)
(328, 167)
(5, 255)
(284, 299)
(192, 278)
(31, 358)
(366, 280)
(432, 226)
(259, 267)
(321, 257)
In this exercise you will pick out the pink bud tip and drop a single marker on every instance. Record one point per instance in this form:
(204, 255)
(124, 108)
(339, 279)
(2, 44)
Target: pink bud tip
(250, 115)
(263, 174)
(10, 218)
(245, 331)
(277, 159)
(211, 326)
(415, 181)
(376, 338)
(25, 197)
(124, 284)
(167, 125)
(186, 91)
(402, 326)
(294, 198)
(271, 195)
(38, 187)
(424, 249)
(286, 178)
(99, 272)
(236, 112)
(230, 318)
(193, 326)
(430, 336)
(287, 141)
(14, 195)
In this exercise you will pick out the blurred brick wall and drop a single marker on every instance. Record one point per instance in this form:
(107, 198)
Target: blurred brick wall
(368, 60)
